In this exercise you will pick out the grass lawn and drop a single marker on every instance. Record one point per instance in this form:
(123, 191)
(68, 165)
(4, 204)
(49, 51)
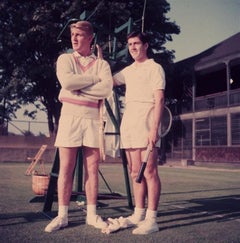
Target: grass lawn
(197, 205)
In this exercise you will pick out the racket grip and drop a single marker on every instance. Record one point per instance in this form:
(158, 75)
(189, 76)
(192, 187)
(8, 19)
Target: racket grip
(141, 172)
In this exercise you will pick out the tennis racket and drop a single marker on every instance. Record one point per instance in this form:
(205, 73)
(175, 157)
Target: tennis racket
(165, 125)
(166, 122)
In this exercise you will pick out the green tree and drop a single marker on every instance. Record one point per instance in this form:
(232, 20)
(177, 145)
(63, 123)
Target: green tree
(28, 53)
(29, 47)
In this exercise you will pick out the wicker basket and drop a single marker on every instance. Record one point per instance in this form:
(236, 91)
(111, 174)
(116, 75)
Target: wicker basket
(40, 183)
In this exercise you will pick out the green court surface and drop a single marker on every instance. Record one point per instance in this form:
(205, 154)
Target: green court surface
(197, 205)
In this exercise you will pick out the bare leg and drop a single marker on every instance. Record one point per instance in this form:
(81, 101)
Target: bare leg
(91, 160)
(65, 181)
(153, 181)
(139, 189)
(65, 177)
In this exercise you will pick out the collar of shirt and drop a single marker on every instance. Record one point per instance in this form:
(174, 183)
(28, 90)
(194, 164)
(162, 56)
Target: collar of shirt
(84, 61)
(142, 64)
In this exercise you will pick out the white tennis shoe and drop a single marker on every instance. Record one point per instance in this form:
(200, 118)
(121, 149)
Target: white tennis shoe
(97, 222)
(56, 224)
(130, 221)
(146, 227)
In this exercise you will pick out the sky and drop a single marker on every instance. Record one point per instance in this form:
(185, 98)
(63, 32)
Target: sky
(203, 23)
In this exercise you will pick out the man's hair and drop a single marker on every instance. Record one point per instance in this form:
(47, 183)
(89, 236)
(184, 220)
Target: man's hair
(83, 25)
(144, 38)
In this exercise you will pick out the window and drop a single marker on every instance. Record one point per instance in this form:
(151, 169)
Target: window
(235, 77)
(203, 132)
(219, 130)
(235, 128)
(211, 131)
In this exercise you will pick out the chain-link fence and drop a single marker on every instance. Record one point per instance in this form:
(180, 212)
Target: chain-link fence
(21, 127)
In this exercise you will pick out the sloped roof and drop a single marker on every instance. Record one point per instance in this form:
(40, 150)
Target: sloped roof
(224, 51)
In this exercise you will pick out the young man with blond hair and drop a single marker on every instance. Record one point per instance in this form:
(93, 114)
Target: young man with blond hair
(85, 80)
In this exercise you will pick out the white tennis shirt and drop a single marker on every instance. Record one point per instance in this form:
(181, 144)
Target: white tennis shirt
(141, 81)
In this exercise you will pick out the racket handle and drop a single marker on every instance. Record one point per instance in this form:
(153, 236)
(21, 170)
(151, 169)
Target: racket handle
(143, 166)
(141, 172)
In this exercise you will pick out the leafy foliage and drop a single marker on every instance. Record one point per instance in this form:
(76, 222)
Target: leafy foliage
(29, 47)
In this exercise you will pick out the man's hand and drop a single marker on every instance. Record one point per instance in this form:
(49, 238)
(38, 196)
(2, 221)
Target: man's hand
(153, 137)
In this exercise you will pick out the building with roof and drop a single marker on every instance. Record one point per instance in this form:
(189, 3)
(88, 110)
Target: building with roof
(206, 126)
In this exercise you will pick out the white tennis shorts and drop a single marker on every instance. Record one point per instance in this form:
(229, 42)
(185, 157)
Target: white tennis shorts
(78, 129)
(135, 125)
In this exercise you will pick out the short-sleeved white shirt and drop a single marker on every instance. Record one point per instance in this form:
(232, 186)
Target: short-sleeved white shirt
(141, 81)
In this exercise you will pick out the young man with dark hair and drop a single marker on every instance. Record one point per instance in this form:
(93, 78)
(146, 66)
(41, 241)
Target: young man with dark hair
(144, 103)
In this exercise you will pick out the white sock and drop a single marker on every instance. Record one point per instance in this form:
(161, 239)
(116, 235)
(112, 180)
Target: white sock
(63, 211)
(139, 213)
(151, 214)
(91, 210)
